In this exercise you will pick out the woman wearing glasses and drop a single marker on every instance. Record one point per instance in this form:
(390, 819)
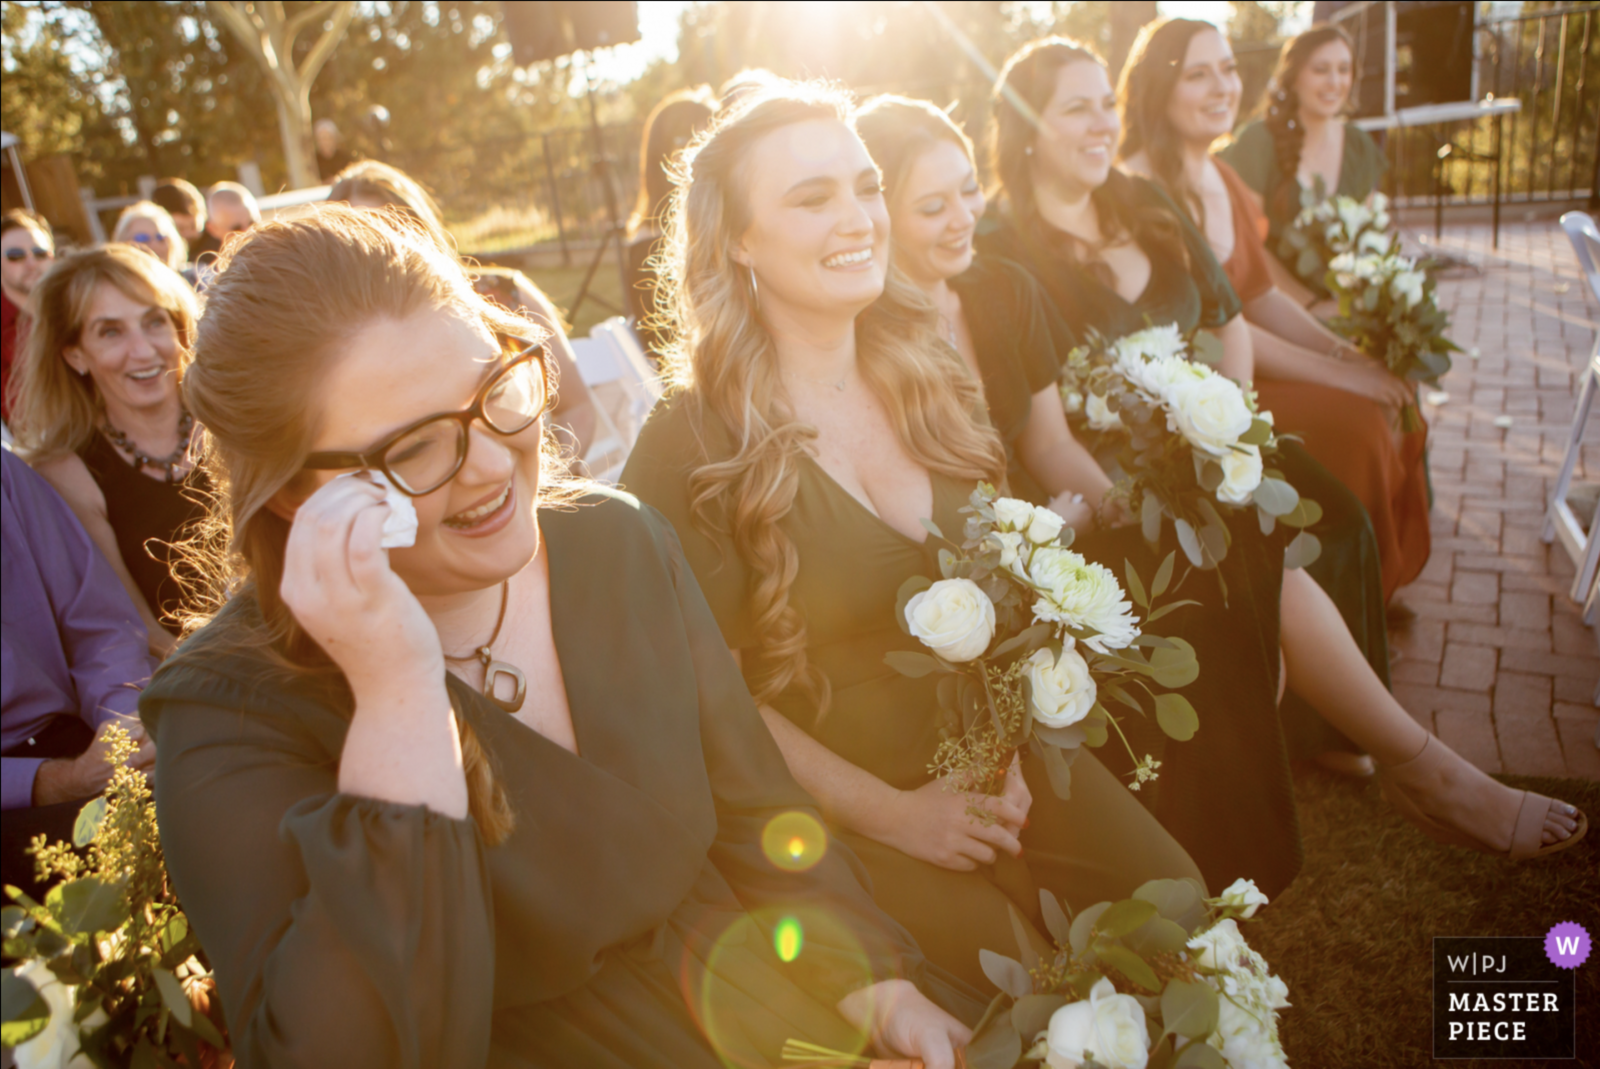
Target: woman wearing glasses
(498, 794)
(26, 249)
(96, 411)
(148, 226)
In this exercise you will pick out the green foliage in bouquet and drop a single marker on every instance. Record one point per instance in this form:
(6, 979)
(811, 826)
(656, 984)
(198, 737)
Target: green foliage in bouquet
(108, 963)
(1161, 980)
(1389, 309)
(1027, 637)
(1184, 442)
(1330, 226)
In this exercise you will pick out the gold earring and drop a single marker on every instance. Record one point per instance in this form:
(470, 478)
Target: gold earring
(755, 291)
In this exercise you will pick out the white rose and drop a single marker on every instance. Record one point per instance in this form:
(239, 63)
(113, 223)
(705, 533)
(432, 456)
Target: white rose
(1241, 474)
(59, 1046)
(1011, 514)
(1247, 1038)
(1101, 418)
(1243, 894)
(1063, 689)
(1046, 527)
(1081, 594)
(953, 618)
(1373, 241)
(1211, 414)
(1221, 946)
(1107, 1026)
(1009, 543)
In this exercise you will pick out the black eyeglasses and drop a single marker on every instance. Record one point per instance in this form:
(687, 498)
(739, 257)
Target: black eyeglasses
(425, 455)
(16, 256)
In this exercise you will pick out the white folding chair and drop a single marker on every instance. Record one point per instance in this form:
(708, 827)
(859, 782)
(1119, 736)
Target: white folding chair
(625, 388)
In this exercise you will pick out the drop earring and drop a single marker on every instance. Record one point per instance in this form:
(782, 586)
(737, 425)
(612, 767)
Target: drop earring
(755, 291)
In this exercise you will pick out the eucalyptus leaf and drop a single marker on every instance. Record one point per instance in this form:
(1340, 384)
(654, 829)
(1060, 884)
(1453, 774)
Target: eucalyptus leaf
(1122, 696)
(1055, 918)
(932, 528)
(1214, 541)
(1208, 473)
(1150, 518)
(910, 663)
(1124, 917)
(1135, 585)
(1068, 738)
(1083, 926)
(1304, 514)
(1175, 666)
(1267, 520)
(1180, 901)
(1190, 543)
(1157, 936)
(1260, 433)
(996, 1047)
(1057, 768)
(174, 998)
(90, 905)
(19, 999)
(1163, 577)
(1171, 605)
(1189, 1009)
(1037, 634)
(12, 918)
(1275, 496)
(947, 564)
(1031, 1015)
(1005, 973)
(1129, 964)
(1199, 1055)
(1303, 550)
(87, 826)
(1176, 716)
(1034, 947)
(1206, 347)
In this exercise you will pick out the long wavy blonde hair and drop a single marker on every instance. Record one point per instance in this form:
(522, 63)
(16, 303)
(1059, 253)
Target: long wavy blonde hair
(726, 365)
(54, 410)
(287, 296)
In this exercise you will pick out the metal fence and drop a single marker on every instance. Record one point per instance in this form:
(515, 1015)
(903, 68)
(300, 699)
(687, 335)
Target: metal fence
(547, 191)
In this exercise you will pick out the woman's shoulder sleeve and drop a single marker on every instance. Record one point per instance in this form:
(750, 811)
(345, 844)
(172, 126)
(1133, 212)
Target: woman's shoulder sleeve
(1045, 338)
(669, 449)
(1253, 155)
(1218, 301)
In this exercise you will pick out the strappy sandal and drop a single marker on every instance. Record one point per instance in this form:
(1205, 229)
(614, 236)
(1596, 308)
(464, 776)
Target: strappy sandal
(1527, 835)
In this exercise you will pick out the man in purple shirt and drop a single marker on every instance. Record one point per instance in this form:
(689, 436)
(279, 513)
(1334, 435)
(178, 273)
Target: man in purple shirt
(74, 661)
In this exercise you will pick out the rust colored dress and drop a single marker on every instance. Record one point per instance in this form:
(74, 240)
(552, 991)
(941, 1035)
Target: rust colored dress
(1349, 434)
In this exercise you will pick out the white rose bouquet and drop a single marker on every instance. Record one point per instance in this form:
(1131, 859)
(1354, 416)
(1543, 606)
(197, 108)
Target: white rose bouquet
(108, 972)
(1189, 443)
(1028, 637)
(1330, 226)
(1389, 309)
(1164, 978)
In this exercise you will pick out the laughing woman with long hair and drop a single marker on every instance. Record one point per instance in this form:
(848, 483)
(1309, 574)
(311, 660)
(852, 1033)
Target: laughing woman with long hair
(816, 420)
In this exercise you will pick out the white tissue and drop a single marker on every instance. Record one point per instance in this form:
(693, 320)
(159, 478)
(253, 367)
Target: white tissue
(400, 529)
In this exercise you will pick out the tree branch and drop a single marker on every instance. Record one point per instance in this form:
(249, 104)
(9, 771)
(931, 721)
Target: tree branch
(327, 42)
(305, 17)
(247, 29)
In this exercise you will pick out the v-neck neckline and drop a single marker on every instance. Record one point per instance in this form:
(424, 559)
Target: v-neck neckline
(838, 488)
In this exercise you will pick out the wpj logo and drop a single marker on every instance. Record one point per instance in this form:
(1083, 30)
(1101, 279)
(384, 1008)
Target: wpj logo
(1502, 997)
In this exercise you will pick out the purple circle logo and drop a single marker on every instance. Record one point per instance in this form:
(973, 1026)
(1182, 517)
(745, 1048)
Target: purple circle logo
(1567, 945)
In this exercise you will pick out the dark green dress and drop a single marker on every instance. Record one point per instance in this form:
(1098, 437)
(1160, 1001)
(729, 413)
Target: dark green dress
(350, 932)
(1254, 155)
(1100, 845)
(1232, 826)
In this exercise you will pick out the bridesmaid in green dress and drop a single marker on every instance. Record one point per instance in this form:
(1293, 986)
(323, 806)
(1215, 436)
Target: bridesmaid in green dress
(1113, 253)
(1301, 139)
(552, 849)
(815, 422)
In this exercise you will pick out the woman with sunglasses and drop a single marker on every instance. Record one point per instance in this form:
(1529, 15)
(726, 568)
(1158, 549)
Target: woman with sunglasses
(148, 226)
(96, 411)
(26, 249)
(493, 793)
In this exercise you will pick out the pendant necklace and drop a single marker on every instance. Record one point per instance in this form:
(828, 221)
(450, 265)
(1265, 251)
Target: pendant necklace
(493, 669)
(141, 460)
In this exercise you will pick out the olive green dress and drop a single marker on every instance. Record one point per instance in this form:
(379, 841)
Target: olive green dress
(1198, 295)
(1254, 154)
(629, 918)
(1101, 845)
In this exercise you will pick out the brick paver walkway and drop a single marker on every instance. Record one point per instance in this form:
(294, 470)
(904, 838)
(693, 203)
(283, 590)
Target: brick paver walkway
(1498, 661)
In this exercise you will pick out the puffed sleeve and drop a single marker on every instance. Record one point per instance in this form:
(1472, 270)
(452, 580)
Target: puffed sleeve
(1253, 155)
(343, 932)
(751, 784)
(669, 449)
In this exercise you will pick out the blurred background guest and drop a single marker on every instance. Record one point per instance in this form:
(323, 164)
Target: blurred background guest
(147, 225)
(668, 129)
(98, 414)
(230, 209)
(27, 247)
(186, 206)
(75, 659)
(332, 156)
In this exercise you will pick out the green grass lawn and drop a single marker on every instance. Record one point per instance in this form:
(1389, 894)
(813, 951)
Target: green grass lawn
(1353, 935)
(561, 284)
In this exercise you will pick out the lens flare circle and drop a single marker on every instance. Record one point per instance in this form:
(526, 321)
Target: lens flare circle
(794, 841)
(788, 939)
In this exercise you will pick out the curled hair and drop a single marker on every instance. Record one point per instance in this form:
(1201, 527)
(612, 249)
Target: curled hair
(1280, 110)
(897, 130)
(726, 365)
(670, 127)
(150, 211)
(1024, 89)
(1143, 92)
(54, 410)
(318, 280)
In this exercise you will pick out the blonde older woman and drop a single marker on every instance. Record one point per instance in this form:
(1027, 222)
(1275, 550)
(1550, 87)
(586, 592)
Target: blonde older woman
(96, 411)
(149, 226)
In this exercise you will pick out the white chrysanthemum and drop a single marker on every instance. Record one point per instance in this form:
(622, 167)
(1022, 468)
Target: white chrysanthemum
(1082, 594)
